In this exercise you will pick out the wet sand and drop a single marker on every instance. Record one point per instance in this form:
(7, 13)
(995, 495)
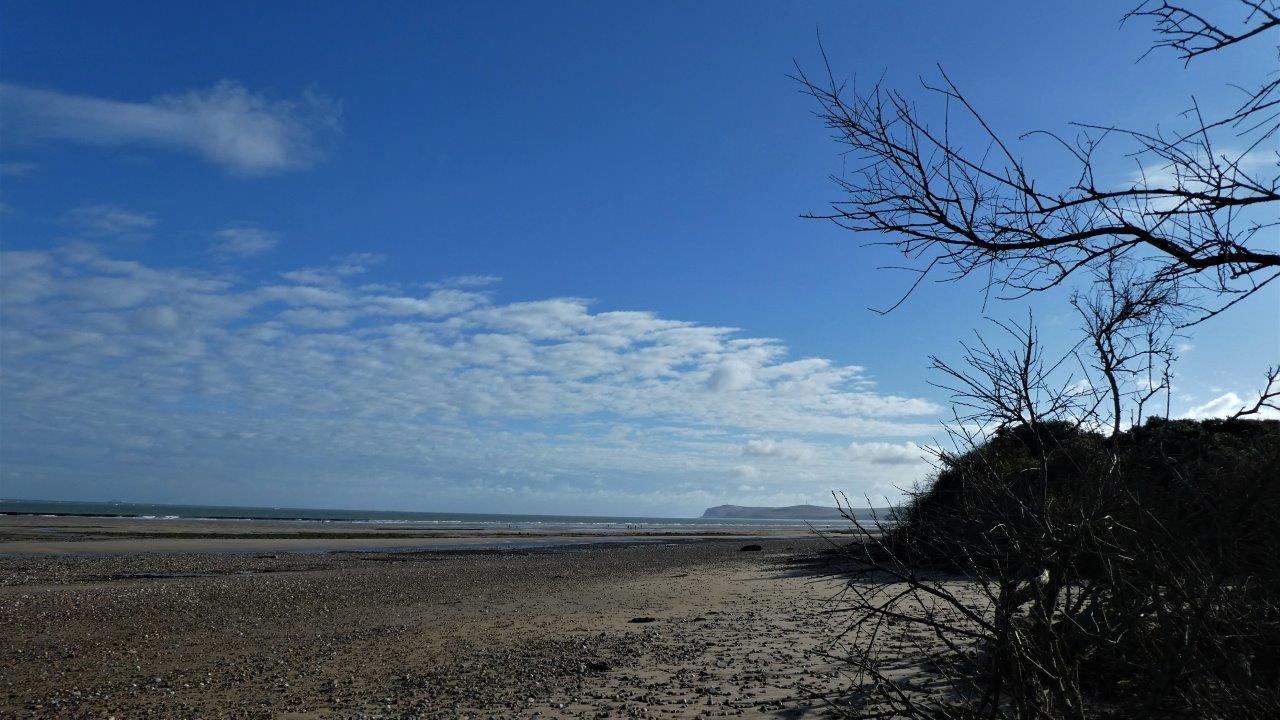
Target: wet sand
(27, 534)
(481, 633)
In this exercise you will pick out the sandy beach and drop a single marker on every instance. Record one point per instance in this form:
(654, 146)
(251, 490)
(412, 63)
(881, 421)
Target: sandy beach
(663, 627)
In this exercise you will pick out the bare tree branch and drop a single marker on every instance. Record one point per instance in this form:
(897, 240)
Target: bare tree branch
(1196, 217)
(1268, 398)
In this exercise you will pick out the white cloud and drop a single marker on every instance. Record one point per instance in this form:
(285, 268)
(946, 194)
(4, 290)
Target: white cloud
(303, 295)
(440, 302)
(883, 453)
(729, 376)
(155, 319)
(258, 387)
(1228, 404)
(335, 274)
(317, 318)
(1221, 406)
(107, 220)
(16, 169)
(244, 241)
(1259, 159)
(745, 471)
(1190, 178)
(247, 133)
(785, 449)
(467, 281)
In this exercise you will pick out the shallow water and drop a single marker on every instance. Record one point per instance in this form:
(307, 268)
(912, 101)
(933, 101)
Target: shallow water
(459, 521)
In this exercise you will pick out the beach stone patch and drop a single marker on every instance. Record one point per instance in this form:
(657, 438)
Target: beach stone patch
(405, 636)
(486, 679)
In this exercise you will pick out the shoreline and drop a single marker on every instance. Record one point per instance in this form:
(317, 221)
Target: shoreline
(53, 536)
(118, 509)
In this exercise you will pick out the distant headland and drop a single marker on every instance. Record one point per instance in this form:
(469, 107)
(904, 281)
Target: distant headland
(792, 512)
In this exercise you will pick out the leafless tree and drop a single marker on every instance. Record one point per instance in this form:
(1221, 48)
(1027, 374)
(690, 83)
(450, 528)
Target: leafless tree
(1197, 218)
(1268, 398)
(1130, 326)
(1069, 559)
(1052, 572)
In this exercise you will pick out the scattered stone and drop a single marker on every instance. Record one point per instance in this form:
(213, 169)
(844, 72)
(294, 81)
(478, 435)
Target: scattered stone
(392, 635)
(750, 548)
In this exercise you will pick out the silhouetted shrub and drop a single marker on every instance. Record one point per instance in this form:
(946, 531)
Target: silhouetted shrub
(1139, 571)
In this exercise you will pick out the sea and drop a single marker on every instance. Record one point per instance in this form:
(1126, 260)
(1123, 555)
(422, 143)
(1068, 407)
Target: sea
(459, 521)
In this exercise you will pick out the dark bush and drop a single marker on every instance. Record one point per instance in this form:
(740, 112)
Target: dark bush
(1145, 565)
(1212, 486)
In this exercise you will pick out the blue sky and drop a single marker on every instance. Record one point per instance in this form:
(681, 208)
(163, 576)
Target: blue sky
(526, 257)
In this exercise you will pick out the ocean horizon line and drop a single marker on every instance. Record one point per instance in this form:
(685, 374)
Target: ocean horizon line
(191, 511)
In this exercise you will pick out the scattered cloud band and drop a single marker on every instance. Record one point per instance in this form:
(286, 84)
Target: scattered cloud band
(114, 366)
(245, 132)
